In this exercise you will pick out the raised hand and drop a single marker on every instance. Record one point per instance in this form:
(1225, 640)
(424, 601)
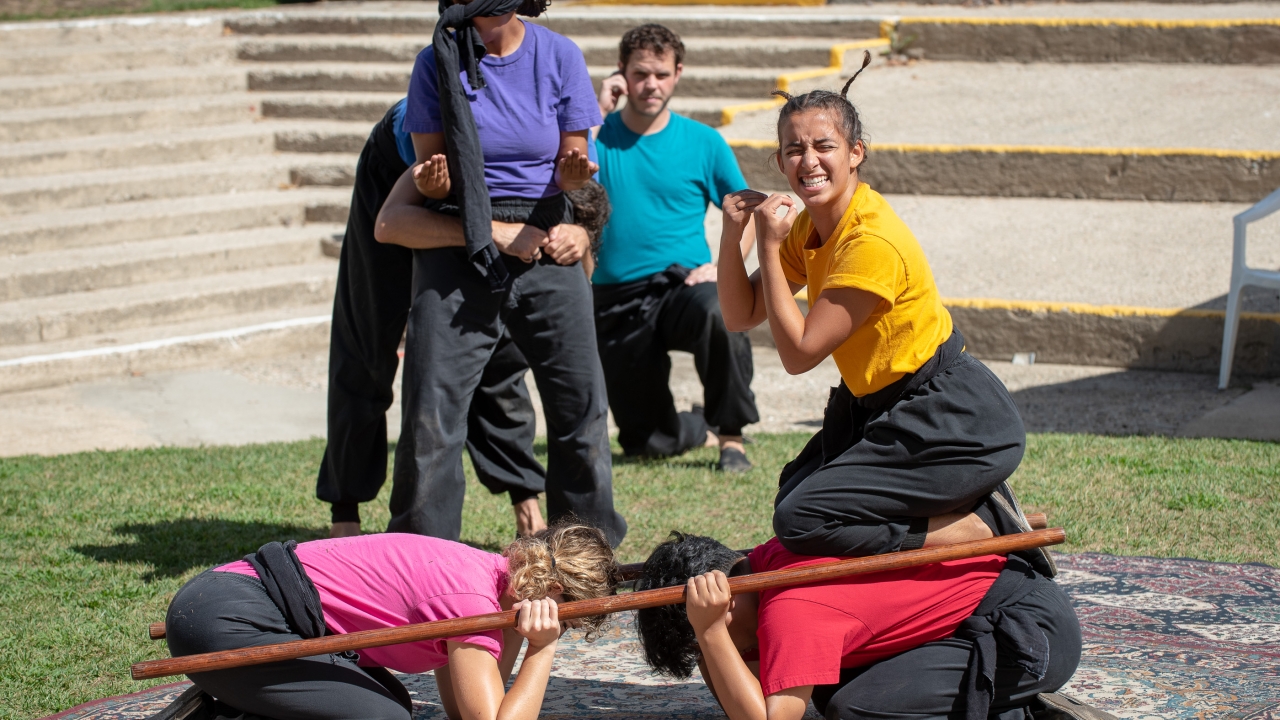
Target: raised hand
(737, 206)
(574, 170)
(538, 621)
(772, 229)
(611, 90)
(707, 600)
(432, 177)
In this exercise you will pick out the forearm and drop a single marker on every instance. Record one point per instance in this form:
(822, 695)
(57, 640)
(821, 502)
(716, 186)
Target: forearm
(736, 687)
(786, 322)
(739, 301)
(524, 700)
(417, 228)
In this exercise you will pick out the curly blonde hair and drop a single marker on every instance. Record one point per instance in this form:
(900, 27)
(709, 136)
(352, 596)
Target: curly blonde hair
(575, 556)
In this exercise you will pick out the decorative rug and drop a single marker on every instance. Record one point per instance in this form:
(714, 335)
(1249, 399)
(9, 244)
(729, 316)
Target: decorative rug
(1162, 639)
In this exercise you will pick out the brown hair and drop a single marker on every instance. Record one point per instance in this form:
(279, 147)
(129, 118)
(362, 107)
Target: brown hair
(655, 38)
(575, 556)
(591, 210)
(847, 120)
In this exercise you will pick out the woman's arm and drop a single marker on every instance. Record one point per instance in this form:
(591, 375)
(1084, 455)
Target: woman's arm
(732, 682)
(403, 221)
(431, 173)
(741, 297)
(802, 341)
(573, 167)
(476, 680)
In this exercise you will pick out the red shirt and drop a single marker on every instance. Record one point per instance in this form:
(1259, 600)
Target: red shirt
(807, 633)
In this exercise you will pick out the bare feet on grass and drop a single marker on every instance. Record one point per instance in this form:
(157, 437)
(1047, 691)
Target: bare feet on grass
(344, 529)
(954, 528)
(528, 517)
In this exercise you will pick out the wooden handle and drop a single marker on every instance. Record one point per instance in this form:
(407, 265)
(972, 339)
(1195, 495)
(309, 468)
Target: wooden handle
(585, 608)
(1038, 521)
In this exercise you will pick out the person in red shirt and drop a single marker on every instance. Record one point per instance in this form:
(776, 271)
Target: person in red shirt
(896, 644)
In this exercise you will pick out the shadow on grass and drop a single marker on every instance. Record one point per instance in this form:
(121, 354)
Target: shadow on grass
(173, 547)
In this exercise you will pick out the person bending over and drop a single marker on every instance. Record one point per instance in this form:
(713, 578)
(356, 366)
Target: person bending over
(370, 308)
(915, 643)
(917, 428)
(655, 287)
(498, 137)
(330, 587)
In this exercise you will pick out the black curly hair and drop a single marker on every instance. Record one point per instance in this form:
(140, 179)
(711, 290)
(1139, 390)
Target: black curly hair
(670, 647)
(846, 114)
(591, 210)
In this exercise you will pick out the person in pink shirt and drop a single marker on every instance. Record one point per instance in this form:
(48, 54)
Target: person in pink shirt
(342, 585)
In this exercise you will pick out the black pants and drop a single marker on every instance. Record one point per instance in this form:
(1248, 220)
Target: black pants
(370, 308)
(636, 324)
(927, 682)
(226, 611)
(943, 448)
(454, 326)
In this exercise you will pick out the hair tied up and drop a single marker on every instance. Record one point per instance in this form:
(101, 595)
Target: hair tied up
(866, 60)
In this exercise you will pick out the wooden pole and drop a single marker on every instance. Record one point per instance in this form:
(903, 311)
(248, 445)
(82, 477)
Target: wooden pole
(631, 571)
(586, 608)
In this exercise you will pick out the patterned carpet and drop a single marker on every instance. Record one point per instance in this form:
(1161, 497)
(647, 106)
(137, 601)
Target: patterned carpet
(1163, 639)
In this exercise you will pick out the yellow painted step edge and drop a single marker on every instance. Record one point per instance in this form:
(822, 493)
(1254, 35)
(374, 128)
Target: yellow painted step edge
(1094, 22)
(1039, 149)
(1110, 311)
(835, 66)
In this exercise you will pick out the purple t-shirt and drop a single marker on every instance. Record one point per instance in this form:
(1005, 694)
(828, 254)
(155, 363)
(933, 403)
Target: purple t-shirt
(532, 95)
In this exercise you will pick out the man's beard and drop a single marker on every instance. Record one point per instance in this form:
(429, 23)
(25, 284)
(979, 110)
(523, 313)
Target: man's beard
(665, 102)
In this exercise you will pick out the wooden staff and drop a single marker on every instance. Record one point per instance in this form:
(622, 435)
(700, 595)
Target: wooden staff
(631, 571)
(755, 582)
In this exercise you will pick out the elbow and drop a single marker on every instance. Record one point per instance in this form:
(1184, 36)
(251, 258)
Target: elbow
(799, 365)
(382, 231)
(733, 324)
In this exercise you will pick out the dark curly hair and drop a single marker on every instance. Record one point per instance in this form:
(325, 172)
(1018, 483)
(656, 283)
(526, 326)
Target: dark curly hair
(528, 8)
(591, 210)
(655, 38)
(670, 647)
(848, 122)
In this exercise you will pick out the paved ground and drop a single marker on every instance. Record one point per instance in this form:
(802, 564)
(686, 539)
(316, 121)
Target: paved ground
(283, 399)
(1079, 105)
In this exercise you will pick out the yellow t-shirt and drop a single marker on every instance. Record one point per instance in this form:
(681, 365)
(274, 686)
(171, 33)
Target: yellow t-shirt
(872, 250)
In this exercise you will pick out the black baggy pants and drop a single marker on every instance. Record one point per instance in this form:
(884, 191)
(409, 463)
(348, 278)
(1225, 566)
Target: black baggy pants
(227, 611)
(928, 682)
(872, 477)
(637, 323)
(370, 308)
(454, 327)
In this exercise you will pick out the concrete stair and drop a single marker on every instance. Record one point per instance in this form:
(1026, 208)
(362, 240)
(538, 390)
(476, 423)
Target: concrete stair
(167, 182)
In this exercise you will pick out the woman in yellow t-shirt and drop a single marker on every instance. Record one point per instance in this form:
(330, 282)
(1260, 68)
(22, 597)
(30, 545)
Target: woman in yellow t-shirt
(919, 437)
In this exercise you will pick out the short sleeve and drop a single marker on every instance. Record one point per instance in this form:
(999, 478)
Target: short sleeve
(578, 109)
(726, 175)
(791, 252)
(802, 643)
(422, 109)
(457, 605)
(868, 263)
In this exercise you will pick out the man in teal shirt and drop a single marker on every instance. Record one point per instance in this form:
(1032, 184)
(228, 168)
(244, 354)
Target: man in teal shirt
(654, 283)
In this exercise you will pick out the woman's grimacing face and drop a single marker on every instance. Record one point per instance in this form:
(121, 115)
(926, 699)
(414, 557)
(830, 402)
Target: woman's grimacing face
(816, 158)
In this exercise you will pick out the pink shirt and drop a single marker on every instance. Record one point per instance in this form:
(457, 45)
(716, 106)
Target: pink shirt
(393, 579)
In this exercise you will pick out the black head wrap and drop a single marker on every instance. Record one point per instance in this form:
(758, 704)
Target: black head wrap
(455, 51)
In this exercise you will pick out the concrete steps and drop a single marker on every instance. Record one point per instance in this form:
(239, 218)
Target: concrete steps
(101, 118)
(80, 314)
(149, 219)
(39, 91)
(46, 193)
(161, 260)
(64, 59)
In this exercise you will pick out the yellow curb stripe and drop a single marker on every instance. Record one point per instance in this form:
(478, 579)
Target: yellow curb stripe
(1097, 310)
(784, 81)
(1039, 150)
(1075, 308)
(1095, 22)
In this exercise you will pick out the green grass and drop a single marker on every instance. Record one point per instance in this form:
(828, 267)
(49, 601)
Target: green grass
(93, 546)
(19, 10)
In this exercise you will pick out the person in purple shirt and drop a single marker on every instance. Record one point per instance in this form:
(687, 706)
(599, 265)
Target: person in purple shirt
(533, 106)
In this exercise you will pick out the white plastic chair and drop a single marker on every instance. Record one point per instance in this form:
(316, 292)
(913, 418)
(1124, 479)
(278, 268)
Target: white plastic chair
(1241, 275)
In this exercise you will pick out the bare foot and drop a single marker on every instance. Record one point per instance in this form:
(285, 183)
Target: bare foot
(712, 440)
(344, 529)
(528, 517)
(954, 528)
